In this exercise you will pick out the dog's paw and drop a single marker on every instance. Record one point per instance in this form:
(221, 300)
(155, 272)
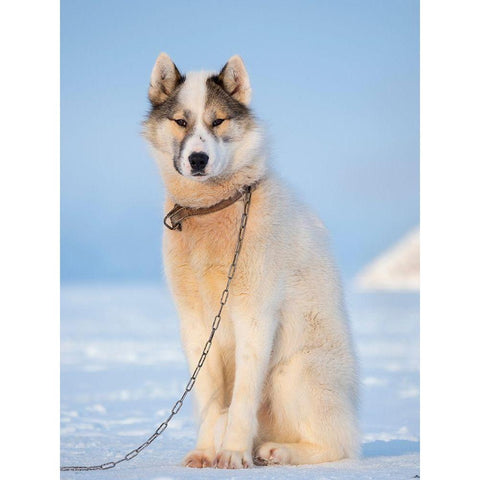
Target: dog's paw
(233, 459)
(271, 454)
(199, 459)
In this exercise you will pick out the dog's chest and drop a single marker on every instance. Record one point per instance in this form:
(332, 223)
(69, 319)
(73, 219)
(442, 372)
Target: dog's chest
(208, 243)
(204, 251)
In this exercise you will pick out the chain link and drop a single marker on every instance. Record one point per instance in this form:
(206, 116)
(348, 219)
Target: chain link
(191, 382)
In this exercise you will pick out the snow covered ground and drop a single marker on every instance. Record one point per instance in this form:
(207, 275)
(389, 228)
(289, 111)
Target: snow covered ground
(122, 368)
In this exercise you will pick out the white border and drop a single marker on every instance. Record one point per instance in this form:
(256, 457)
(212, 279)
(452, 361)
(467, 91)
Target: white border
(29, 253)
(450, 238)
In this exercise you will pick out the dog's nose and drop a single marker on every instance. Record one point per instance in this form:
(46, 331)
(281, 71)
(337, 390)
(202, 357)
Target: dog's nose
(198, 161)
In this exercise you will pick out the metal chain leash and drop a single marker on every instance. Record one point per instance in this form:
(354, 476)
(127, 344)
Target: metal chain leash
(216, 322)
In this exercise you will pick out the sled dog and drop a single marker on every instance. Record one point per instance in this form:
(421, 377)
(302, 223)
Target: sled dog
(279, 385)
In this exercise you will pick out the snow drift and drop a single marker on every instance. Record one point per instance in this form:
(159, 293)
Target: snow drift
(396, 269)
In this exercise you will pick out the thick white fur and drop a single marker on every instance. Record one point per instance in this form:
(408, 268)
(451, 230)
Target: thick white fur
(279, 383)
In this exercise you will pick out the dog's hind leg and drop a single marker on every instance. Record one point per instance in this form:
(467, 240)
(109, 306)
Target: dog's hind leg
(300, 453)
(311, 414)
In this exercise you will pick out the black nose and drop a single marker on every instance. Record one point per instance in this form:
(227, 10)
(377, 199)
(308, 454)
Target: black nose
(198, 161)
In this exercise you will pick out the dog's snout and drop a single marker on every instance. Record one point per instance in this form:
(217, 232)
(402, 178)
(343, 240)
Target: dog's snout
(198, 161)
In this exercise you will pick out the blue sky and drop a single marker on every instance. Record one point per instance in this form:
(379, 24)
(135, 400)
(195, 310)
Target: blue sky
(335, 82)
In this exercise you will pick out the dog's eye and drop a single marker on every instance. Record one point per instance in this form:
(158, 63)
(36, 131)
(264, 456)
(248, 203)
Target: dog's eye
(217, 122)
(181, 122)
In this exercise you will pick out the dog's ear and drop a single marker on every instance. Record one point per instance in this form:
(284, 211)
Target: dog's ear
(235, 81)
(164, 79)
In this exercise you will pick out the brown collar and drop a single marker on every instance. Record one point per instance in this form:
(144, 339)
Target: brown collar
(178, 213)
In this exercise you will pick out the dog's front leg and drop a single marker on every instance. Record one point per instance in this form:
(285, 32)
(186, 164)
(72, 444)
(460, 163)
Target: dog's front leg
(208, 391)
(254, 331)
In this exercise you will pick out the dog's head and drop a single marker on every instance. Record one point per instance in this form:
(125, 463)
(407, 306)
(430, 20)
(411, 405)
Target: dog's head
(200, 125)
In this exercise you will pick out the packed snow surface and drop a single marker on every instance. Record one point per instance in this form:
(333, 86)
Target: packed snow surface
(122, 369)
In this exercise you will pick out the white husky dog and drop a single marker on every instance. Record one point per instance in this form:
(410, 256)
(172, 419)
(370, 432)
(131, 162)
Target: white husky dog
(279, 384)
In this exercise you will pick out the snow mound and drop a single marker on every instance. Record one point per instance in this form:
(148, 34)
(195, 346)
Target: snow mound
(396, 269)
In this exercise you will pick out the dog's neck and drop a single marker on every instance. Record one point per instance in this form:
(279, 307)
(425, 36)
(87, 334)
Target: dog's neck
(190, 193)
